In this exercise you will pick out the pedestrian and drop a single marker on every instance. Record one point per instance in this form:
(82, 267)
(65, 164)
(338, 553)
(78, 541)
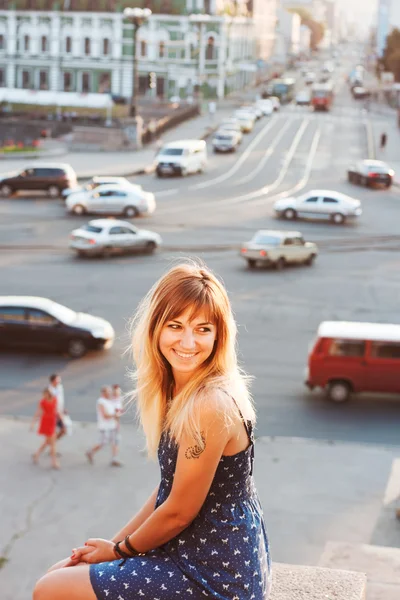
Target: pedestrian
(107, 422)
(47, 412)
(201, 532)
(383, 141)
(56, 388)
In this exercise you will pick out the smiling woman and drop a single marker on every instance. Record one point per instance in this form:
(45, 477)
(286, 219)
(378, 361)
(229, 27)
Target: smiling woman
(201, 532)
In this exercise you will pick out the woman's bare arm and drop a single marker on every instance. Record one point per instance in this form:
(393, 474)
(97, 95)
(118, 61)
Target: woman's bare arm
(143, 514)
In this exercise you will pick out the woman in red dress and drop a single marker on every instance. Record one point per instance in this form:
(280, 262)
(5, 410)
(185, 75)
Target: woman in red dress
(47, 412)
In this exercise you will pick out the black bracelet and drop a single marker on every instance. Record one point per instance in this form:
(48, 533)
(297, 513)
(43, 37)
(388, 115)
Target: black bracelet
(131, 549)
(121, 553)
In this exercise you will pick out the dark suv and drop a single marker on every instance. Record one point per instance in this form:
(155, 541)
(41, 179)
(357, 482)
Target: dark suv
(51, 178)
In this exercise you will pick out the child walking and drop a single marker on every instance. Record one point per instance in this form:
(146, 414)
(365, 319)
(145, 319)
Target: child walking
(107, 422)
(47, 412)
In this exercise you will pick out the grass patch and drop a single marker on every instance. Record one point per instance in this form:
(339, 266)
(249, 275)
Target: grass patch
(17, 150)
(3, 561)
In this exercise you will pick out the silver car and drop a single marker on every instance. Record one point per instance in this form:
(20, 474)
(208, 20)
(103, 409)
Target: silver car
(225, 141)
(106, 237)
(130, 201)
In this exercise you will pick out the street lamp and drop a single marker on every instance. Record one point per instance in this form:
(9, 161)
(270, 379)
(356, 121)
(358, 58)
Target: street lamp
(136, 16)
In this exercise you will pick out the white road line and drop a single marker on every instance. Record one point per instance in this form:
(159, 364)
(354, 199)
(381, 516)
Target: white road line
(267, 155)
(238, 163)
(164, 193)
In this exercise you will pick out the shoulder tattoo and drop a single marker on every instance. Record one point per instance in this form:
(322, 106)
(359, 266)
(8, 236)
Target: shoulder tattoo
(196, 450)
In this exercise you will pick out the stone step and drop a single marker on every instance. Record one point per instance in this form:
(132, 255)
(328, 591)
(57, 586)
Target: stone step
(381, 565)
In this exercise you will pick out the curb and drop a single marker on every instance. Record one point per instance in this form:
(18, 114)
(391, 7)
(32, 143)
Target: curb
(167, 248)
(33, 155)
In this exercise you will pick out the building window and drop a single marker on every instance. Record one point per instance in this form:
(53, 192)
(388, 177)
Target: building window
(43, 80)
(2, 42)
(106, 46)
(2, 78)
(143, 48)
(161, 49)
(43, 43)
(67, 81)
(104, 83)
(87, 46)
(210, 49)
(26, 80)
(27, 42)
(68, 44)
(85, 83)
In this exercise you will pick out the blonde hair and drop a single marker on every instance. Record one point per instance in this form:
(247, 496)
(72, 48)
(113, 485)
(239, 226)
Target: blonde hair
(187, 286)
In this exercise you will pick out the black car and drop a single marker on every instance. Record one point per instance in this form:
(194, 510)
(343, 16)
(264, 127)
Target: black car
(50, 178)
(370, 173)
(30, 323)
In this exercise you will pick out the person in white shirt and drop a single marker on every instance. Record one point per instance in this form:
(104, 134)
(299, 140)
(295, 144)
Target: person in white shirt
(56, 389)
(107, 422)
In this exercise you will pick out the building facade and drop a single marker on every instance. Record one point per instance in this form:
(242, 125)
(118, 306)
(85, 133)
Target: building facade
(85, 51)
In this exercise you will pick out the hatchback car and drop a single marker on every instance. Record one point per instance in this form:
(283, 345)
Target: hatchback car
(278, 249)
(319, 204)
(30, 323)
(130, 201)
(50, 178)
(95, 182)
(232, 125)
(246, 120)
(107, 237)
(370, 173)
(225, 141)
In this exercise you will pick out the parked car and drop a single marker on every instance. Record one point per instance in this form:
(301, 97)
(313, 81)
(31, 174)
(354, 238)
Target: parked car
(303, 98)
(253, 109)
(352, 357)
(370, 172)
(52, 178)
(226, 141)
(232, 125)
(246, 120)
(106, 237)
(360, 93)
(319, 204)
(181, 158)
(266, 105)
(95, 182)
(31, 323)
(278, 249)
(130, 201)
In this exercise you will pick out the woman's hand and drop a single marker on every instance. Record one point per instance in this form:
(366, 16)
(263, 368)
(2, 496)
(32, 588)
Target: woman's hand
(95, 550)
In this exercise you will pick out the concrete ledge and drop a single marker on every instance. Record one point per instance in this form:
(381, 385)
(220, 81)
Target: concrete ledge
(292, 582)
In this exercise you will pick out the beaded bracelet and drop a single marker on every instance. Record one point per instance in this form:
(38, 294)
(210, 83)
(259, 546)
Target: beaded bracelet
(131, 549)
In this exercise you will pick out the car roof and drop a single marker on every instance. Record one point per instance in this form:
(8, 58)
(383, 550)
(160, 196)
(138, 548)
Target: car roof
(373, 163)
(278, 233)
(114, 186)
(359, 331)
(184, 144)
(109, 223)
(331, 193)
(49, 166)
(29, 301)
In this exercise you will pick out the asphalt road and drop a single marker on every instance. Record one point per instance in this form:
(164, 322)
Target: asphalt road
(356, 277)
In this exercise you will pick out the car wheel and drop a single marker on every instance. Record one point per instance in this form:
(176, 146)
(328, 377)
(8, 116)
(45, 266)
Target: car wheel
(364, 181)
(338, 218)
(150, 247)
(350, 177)
(339, 391)
(280, 264)
(310, 260)
(388, 185)
(78, 209)
(6, 191)
(251, 262)
(76, 348)
(54, 191)
(130, 212)
(290, 214)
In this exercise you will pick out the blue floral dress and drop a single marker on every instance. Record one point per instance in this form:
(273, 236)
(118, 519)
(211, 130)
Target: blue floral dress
(223, 554)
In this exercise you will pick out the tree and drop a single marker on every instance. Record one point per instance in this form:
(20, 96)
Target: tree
(393, 62)
(391, 55)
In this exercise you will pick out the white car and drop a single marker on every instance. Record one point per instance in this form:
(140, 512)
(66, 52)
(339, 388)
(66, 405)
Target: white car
(95, 182)
(319, 204)
(130, 201)
(253, 109)
(310, 78)
(266, 105)
(226, 141)
(278, 249)
(105, 237)
(303, 98)
(246, 120)
(276, 103)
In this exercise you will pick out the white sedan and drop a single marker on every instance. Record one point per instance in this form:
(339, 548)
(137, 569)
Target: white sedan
(95, 182)
(130, 201)
(319, 204)
(278, 249)
(105, 237)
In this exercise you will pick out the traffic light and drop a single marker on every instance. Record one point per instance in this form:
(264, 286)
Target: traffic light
(152, 80)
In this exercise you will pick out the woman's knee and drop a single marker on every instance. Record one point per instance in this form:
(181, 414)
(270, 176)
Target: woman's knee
(43, 589)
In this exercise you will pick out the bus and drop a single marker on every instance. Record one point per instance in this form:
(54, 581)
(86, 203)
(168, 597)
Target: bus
(284, 89)
(321, 96)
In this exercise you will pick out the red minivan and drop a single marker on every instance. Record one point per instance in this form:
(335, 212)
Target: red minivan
(355, 357)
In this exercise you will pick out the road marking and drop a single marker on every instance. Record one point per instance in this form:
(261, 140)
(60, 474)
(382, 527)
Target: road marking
(164, 193)
(267, 155)
(239, 162)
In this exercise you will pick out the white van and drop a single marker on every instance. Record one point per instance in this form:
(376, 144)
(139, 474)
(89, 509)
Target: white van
(181, 158)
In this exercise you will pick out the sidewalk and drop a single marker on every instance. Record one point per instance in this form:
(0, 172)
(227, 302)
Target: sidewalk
(390, 154)
(311, 492)
(124, 164)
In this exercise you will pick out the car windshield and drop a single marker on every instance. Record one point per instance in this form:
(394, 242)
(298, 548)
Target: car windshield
(62, 313)
(226, 137)
(172, 151)
(92, 228)
(268, 240)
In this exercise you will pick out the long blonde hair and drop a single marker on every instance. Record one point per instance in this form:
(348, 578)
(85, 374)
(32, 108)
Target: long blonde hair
(192, 286)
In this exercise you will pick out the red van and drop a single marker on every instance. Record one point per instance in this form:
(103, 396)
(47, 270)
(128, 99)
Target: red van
(355, 357)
